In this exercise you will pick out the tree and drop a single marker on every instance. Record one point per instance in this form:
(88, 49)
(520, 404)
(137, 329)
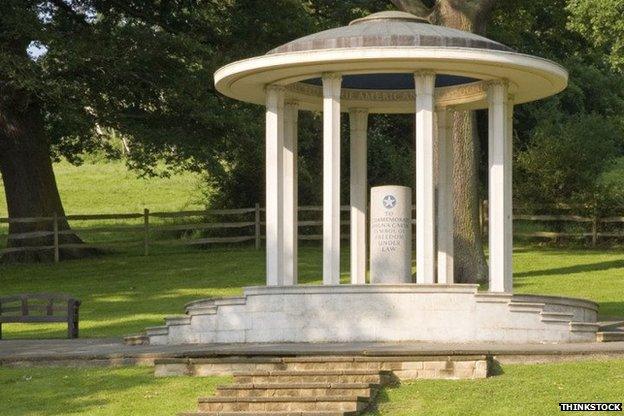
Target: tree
(600, 21)
(70, 69)
(565, 162)
(470, 16)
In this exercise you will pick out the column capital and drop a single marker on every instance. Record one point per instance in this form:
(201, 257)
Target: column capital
(275, 96)
(358, 110)
(292, 103)
(332, 83)
(332, 76)
(424, 82)
(425, 73)
(497, 91)
(275, 88)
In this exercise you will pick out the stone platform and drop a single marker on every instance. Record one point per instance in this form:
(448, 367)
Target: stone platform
(108, 351)
(456, 313)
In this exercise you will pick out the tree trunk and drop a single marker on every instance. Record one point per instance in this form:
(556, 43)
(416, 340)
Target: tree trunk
(29, 183)
(470, 264)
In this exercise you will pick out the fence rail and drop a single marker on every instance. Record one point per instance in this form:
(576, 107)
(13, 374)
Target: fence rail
(249, 219)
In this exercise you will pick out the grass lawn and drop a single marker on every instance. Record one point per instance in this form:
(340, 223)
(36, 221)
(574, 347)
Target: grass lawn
(125, 391)
(123, 294)
(109, 188)
(520, 390)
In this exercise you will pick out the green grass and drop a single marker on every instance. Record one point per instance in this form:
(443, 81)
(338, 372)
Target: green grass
(123, 294)
(520, 390)
(99, 392)
(109, 188)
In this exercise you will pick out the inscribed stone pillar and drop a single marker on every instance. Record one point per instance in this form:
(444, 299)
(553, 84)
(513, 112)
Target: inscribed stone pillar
(390, 236)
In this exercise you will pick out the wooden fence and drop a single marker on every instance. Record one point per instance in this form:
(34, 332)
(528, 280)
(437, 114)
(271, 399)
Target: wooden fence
(248, 223)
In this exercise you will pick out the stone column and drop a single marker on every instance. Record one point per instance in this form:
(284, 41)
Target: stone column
(425, 216)
(291, 113)
(445, 197)
(499, 198)
(358, 119)
(331, 178)
(274, 185)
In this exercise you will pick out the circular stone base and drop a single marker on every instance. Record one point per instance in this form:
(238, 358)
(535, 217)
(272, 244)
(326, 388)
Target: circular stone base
(381, 313)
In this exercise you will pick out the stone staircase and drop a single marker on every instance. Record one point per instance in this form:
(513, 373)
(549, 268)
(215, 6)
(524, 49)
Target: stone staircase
(488, 317)
(555, 317)
(305, 388)
(610, 331)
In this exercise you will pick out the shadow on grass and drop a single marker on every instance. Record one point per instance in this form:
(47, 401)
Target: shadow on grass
(578, 268)
(87, 391)
(124, 294)
(612, 310)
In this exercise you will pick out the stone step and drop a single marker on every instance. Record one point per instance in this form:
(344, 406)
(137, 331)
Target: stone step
(611, 325)
(493, 298)
(202, 310)
(156, 331)
(610, 336)
(177, 320)
(337, 376)
(283, 404)
(137, 339)
(269, 414)
(238, 300)
(213, 303)
(526, 307)
(298, 390)
(559, 316)
(583, 327)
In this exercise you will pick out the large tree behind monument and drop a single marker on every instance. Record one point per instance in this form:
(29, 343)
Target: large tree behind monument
(470, 16)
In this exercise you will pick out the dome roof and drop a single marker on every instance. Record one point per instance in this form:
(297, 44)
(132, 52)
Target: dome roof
(377, 57)
(388, 29)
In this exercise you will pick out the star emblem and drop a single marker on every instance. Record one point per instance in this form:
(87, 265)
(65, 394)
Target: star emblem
(389, 201)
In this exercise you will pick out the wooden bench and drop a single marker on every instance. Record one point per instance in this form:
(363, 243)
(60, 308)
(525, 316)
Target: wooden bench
(40, 307)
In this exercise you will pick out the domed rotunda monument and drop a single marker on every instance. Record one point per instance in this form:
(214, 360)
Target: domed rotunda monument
(389, 62)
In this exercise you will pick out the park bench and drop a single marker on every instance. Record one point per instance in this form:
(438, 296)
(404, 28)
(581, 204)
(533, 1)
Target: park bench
(40, 307)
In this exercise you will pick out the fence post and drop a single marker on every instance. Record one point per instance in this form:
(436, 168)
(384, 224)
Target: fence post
(594, 229)
(145, 232)
(55, 228)
(257, 228)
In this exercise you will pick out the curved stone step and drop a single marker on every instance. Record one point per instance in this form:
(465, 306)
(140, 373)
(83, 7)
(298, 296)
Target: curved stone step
(202, 310)
(153, 331)
(177, 320)
(557, 317)
(136, 339)
(486, 297)
(583, 327)
(526, 307)
(210, 303)
(610, 336)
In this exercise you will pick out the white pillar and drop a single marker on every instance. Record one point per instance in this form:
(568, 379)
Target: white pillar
(358, 120)
(499, 198)
(425, 216)
(274, 185)
(331, 178)
(445, 197)
(291, 113)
